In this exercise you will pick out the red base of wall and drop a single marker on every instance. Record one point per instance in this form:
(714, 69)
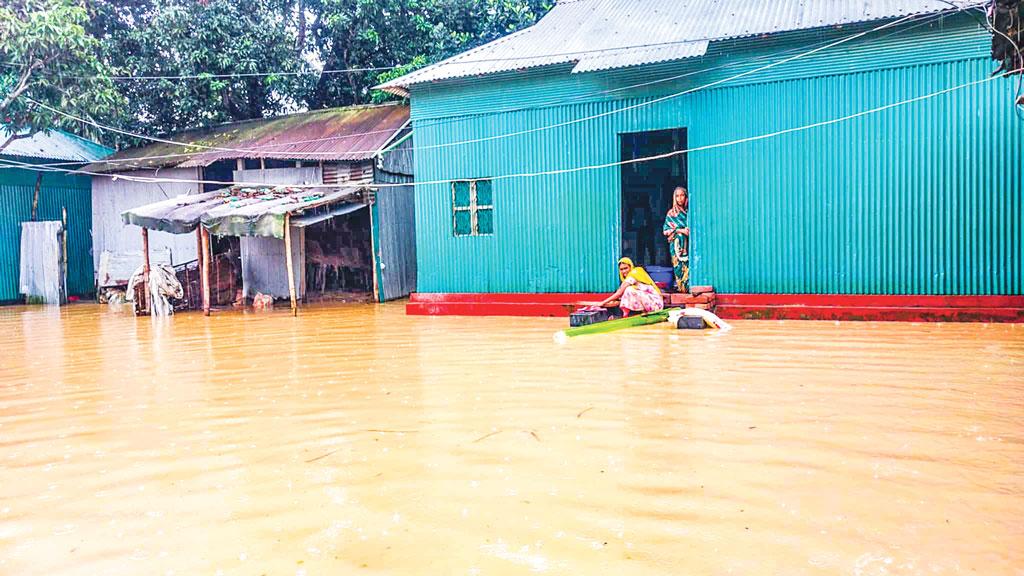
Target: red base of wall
(749, 306)
(558, 305)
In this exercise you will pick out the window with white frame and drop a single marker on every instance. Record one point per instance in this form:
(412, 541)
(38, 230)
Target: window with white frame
(473, 207)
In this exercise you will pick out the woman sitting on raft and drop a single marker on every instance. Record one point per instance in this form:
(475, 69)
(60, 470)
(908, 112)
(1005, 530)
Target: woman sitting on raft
(637, 293)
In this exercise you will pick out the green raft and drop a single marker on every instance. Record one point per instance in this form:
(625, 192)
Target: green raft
(613, 325)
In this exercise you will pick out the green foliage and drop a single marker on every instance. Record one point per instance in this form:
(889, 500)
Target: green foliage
(224, 60)
(206, 39)
(47, 56)
(404, 33)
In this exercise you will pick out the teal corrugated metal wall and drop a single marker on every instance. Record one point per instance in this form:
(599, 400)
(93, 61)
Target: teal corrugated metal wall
(920, 199)
(58, 191)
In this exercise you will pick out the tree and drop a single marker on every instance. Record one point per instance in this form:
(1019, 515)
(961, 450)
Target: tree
(408, 34)
(1007, 17)
(47, 56)
(237, 57)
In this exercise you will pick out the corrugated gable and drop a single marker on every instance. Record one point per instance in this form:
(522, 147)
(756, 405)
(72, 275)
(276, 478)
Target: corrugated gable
(54, 145)
(603, 34)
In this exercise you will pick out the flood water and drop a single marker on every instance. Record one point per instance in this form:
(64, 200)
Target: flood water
(357, 440)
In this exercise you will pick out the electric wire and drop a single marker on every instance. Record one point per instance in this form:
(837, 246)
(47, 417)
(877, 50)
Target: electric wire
(495, 137)
(575, 169)
(926, 20)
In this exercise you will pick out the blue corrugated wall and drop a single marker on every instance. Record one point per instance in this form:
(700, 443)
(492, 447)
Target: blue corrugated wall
(58, 191)
(921, 199)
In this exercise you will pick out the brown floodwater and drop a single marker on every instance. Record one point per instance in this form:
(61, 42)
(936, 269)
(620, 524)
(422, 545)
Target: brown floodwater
(356, 440)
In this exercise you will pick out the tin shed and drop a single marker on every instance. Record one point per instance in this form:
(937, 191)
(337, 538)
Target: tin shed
(339, 147)
(30, 191)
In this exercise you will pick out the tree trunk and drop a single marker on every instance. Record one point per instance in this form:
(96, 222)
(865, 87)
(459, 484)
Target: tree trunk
(300, 40)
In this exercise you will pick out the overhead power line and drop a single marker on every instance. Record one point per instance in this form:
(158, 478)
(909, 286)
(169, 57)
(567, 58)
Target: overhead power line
(134, 162)
(458, 60)
(766, 136)
(510, 134)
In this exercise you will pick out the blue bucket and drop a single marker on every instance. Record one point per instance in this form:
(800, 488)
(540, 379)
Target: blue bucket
(662, 275)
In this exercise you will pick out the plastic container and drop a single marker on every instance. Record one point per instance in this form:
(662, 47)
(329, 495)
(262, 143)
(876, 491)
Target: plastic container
(691, 323)
(588, 317)
(661, 275)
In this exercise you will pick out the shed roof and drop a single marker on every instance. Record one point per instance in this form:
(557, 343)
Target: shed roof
(240, 210)
(54, 145)
(605, 34)
(351, 133)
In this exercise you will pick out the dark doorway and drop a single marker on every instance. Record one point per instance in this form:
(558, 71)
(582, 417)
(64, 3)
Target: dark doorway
(647, 193)
(339, 257)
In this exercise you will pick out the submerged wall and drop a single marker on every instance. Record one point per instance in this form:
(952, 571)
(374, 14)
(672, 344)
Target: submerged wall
(924, 198)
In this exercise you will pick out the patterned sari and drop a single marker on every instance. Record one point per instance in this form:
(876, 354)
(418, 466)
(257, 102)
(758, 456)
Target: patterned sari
(678, 247)
(641, 294)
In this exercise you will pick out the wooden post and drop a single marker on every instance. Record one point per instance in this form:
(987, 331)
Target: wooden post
(64, 250)
(145, 269)
(288, 262)
(199, 261)
(35, 196)
(205, 235)
(377, 290)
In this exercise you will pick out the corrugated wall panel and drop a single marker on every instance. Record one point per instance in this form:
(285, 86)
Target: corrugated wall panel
(922, 199)
(57, 191)
(111, 197)
(395, 236)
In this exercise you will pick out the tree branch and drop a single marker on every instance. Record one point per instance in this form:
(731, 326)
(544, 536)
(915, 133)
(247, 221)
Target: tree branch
(12, 138)
(23, 84)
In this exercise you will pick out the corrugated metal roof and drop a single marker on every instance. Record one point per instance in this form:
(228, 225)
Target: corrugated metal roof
(239, 210)
(603, 34)
(54, 145)
(352, 133)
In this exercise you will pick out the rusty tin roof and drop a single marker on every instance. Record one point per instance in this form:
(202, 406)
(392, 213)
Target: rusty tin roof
(351, 133)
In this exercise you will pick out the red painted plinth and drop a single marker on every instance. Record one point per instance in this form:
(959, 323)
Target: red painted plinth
(750, 306)
(559, 305)
(898, 308)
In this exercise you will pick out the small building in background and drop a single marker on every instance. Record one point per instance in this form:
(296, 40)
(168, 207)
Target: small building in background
(35, 186)
(359, 252)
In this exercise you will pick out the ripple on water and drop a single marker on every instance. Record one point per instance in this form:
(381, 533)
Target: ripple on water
(355, 437)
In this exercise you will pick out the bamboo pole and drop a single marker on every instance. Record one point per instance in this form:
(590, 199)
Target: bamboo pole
(199, 261)
(205, 236)
(64, 249)
(145, 270)
(288, 262)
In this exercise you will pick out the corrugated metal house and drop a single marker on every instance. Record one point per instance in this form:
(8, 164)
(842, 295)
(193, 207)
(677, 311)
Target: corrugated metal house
(352, 146)
(791, 190)
(23, 172)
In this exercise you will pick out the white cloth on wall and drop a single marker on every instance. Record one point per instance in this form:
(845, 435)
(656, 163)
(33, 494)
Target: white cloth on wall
(41, 276)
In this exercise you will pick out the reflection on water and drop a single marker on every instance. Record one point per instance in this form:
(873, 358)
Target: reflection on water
(354, 439)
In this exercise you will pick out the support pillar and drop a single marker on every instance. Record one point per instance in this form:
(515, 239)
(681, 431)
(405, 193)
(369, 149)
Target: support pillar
(145, 270)
(288, 262)
(205, 237)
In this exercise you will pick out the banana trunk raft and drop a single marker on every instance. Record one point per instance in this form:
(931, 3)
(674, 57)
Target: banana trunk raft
(621, 323)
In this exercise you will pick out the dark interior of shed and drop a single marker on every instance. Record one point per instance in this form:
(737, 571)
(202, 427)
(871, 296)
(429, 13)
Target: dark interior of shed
(339, 256)
(647, 193)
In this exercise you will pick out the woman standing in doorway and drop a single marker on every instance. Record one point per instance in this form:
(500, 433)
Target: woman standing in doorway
(677, 232)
